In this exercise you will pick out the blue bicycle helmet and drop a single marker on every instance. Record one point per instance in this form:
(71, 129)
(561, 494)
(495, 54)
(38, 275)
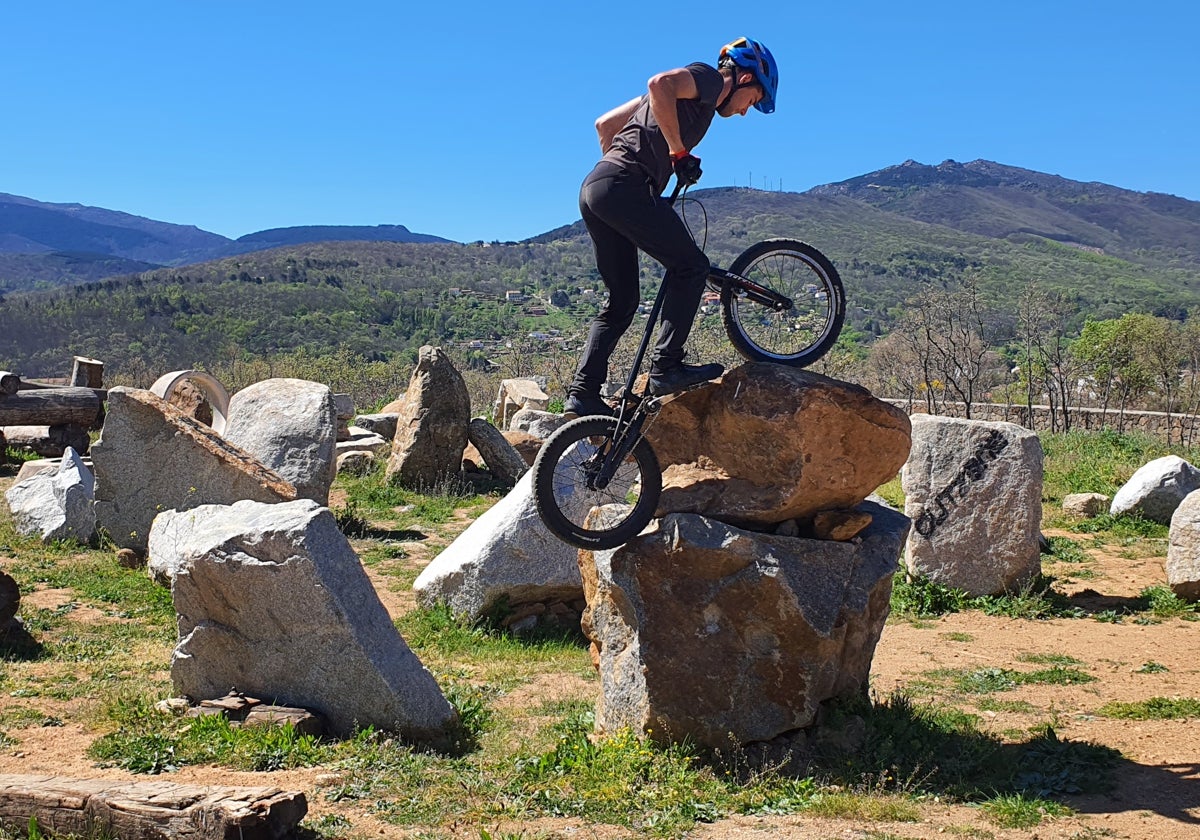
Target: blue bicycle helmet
(753, 56)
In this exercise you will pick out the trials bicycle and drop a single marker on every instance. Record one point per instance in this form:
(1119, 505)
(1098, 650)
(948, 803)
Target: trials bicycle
(596, 480)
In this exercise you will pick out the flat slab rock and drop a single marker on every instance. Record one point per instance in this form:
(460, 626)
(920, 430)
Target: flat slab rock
(148, 810)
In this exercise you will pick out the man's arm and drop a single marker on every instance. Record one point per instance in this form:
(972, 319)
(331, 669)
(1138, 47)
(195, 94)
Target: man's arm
(665, 90)
(609, 124)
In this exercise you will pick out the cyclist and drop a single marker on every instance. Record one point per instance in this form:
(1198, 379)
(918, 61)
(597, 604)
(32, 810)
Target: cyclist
(644, 141)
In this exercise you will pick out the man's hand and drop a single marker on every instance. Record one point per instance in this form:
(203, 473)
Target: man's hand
(687, 168)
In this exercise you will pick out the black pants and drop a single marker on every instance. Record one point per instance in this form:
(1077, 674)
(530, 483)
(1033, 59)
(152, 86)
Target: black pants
(624, 213)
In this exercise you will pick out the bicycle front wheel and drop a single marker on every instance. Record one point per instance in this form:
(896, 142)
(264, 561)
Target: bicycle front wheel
(567, 499)
(797, 336)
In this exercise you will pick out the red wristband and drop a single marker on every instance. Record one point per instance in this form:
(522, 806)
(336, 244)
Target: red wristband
(679, 155)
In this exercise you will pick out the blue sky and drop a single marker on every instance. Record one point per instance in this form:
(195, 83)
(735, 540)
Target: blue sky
(473, 120)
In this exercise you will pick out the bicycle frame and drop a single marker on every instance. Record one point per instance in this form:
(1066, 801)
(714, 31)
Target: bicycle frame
(638, 406)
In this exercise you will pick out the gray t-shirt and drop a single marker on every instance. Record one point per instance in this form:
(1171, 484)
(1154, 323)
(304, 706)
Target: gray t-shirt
(641, 143)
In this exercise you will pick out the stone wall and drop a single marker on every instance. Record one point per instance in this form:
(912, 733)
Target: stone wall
(1185, 428)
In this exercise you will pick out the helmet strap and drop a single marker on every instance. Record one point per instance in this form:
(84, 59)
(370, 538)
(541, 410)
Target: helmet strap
(733, 88)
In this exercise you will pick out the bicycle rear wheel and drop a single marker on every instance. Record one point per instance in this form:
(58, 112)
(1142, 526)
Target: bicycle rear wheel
(566, 499)
(798, 336)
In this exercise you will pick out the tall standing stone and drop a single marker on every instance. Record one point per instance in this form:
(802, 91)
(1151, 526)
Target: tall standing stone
(290, 425)
(973, 490)
(431, 431)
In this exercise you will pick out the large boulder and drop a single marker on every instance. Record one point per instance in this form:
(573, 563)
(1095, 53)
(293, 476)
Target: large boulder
(431, 431)
(707, 632)
(290, 425)
(973, 490)
(273, 602)
(151, 457)
(506, 557)
(58, 504)
(770, 443)
(1156, 489)
(1183, 549)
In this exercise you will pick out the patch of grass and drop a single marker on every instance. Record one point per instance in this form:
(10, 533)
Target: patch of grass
(1048, 659)
(1156, 708)
(619, 780)
(993, 704)
(1125, 526)
(1067, 550)
(955, 636)
(1152, 667)
(1164, 603)
(148, 741)
(871, 807)
(916, 597)
(1017, 810)
(892, 493)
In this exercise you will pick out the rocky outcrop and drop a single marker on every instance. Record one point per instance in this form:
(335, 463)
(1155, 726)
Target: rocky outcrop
(273, 602)
(704, 631)
(973, 490)
(151, 458)
(431, 431)
(770, 443)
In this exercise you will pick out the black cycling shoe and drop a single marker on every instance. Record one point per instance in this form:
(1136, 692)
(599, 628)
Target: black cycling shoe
(681, 377)
(578, 405)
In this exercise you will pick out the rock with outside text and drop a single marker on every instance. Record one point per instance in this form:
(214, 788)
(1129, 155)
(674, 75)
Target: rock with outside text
(768, 443)
(973, 490)
(273, 603)
(721, 636)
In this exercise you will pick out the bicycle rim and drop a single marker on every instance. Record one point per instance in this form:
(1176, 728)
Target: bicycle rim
(797, 336)
(569, 503)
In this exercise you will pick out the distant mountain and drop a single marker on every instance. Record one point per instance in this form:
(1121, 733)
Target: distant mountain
(277, 237)
(56, 244)
(1005, 202)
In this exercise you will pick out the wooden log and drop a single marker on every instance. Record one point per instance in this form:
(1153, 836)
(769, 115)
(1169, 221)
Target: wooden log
(148, 810)
(50, 407)
(10, 383)
(48, 441)
(87, 373)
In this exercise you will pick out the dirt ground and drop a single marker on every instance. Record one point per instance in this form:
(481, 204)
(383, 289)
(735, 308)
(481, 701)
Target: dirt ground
(1157, 794)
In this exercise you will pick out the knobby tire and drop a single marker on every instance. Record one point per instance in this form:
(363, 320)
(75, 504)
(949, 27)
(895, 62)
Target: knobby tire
(796, 337)
(565, 503)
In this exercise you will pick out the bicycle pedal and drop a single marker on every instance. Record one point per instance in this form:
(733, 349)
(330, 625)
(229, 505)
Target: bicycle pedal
(655, 403)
